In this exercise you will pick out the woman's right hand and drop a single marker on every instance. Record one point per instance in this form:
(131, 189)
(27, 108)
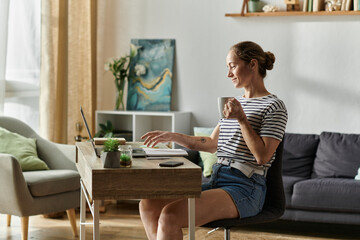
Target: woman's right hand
(154, 137)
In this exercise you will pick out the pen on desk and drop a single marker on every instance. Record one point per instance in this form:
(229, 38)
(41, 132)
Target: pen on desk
(157, 158)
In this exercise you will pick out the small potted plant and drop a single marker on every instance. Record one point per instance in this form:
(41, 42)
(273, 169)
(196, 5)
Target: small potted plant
(111, 155)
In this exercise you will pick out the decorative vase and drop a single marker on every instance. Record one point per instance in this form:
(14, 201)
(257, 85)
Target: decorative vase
(110, 159)
(120, 85)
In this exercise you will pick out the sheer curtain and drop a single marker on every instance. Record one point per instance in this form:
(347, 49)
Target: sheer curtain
(4, 12)
(68, 67)
(20, 60)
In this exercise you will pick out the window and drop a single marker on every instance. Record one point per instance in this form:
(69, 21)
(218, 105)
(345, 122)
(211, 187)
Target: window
(22, 71)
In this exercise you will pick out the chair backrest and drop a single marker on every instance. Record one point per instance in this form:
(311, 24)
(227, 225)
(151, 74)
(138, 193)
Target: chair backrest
(274, 205)
(47, 151)
(275, 196)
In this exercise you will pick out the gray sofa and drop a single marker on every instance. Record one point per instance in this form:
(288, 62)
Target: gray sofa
(318, 177)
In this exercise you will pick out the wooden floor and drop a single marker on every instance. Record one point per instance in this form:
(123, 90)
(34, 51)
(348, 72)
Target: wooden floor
(121, 221)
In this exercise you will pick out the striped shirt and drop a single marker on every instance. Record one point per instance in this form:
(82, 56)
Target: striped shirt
(267, 116)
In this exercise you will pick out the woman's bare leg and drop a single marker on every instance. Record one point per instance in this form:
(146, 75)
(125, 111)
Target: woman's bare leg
(212, 205)
(150, 210)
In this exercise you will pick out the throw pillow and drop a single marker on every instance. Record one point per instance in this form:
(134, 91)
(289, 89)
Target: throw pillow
(208, 159)
(337, 155)
(299, 154)
(23, 149)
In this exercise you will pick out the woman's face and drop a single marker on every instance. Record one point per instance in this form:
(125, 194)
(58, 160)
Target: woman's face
(238, 70)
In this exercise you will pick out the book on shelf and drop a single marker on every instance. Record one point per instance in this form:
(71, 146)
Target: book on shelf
(306, 5)
(356, 5)
(318, 5)
(343, 3)
(348, 5)
(310, 6)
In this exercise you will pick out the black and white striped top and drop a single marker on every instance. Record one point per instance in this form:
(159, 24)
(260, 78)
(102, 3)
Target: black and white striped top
(267, 116)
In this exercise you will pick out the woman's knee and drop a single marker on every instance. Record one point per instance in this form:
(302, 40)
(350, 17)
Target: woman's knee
(170, 217)
(146, 205)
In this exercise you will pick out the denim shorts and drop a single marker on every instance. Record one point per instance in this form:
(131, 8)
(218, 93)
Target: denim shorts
(248, 194)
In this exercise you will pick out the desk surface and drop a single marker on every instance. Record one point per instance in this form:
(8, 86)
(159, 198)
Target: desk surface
(145, 179)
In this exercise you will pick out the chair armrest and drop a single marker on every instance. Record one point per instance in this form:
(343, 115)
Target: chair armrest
(14, 191)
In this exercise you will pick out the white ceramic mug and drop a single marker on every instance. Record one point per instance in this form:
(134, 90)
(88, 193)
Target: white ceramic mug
(221, 103)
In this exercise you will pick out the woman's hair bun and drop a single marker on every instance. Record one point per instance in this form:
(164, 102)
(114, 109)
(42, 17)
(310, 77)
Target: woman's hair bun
(269, 60)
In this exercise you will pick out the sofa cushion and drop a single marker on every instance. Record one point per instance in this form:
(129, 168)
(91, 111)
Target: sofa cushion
(338, 155)
(327, 194)
(299, 154)
(289, 182)
(208, 159)
(44, 183)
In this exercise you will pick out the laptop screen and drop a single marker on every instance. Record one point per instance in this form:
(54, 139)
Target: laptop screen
(88, 131)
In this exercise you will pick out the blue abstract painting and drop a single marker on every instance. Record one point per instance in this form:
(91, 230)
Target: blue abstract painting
(150, 75)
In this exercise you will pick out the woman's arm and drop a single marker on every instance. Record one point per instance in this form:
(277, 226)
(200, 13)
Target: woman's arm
(199, 143)
(261, 147)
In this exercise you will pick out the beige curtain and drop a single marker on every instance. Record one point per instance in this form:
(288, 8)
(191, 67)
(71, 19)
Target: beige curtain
(68, 67)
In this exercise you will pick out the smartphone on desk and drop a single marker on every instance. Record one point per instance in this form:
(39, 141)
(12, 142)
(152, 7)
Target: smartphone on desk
(170, 164)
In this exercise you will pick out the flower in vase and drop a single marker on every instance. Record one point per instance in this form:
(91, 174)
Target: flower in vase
(140, 69)
(119, 67)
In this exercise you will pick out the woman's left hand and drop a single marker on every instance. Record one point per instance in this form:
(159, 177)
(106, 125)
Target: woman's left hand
(233, 109)
(155, 137)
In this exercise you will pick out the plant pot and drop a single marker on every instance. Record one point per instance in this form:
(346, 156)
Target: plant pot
(255, 6)
(125, 156)
(126, 164)
(110, 159)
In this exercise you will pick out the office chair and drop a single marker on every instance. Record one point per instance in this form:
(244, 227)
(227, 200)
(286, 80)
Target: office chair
(274, 205)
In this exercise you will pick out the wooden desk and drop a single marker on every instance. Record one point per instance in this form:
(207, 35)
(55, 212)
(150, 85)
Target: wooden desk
(145, 179)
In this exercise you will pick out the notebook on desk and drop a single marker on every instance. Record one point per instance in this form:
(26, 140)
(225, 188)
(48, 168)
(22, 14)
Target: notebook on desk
(151, 152)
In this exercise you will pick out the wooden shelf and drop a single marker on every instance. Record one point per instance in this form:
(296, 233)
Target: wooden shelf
(300, 13)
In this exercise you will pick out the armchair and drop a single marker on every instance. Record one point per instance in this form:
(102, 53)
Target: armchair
(31, 193)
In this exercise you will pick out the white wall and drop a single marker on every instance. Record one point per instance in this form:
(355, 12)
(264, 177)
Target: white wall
(316, 71)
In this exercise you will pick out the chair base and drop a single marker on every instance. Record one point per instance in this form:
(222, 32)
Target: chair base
(226, 233)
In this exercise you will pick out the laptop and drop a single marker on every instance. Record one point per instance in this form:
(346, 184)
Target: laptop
(96, 150)
(136, 152)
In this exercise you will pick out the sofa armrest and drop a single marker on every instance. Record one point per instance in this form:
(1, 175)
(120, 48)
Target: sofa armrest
(14, 191)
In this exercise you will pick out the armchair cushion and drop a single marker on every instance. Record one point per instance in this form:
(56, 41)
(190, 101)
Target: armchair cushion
(44, 183)
(23, 149)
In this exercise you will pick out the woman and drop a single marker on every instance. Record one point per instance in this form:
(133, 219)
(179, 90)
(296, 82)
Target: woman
(245, 141)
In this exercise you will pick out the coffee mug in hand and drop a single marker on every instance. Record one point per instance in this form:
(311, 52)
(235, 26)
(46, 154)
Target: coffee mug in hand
(221, 103)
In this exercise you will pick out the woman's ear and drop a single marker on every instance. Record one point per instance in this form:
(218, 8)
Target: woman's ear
(253, 64)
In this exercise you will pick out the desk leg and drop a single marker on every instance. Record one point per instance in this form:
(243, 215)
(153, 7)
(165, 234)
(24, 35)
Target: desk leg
(191, 213)
(82, 214)
(96, 218)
